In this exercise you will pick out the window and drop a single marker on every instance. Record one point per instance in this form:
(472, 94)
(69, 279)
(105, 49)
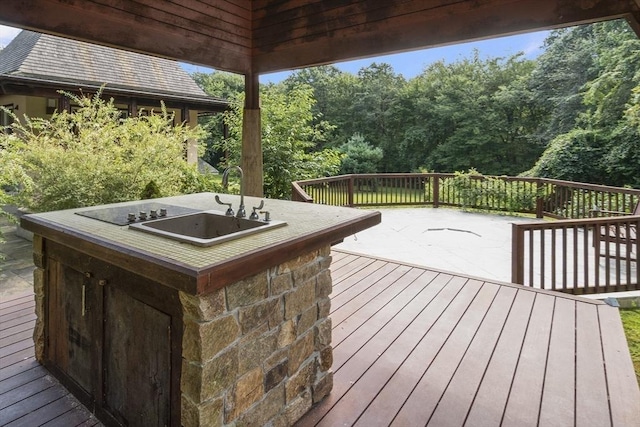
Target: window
(5, 118)
(52, 105)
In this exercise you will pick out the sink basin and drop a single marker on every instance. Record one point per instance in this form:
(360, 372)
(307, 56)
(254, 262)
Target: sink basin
(205, 228)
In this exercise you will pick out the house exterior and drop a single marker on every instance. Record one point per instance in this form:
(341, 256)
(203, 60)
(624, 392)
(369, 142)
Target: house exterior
(34, 67)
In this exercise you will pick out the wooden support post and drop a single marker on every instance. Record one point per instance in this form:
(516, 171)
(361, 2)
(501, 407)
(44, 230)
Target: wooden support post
(192, 144)
(251, 138)
(64, 104)
(133, 107)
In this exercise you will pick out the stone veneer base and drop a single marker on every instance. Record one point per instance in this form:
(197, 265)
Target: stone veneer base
(259, 351)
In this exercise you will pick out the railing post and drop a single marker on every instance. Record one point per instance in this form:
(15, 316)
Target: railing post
(517, 254)
(350, 196)
(436, 190)
(539, 201)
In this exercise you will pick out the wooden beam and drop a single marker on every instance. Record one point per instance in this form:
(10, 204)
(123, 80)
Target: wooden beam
(251, 138)
(403, 26)
(137, 27)
(634, 22)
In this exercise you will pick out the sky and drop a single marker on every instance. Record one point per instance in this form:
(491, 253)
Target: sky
(409, 64)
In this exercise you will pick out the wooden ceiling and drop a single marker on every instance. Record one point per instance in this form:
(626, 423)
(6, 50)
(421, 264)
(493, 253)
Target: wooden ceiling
(260, 36)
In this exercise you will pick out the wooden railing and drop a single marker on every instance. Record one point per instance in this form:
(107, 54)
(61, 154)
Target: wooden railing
(539, 196)
(577, 256)
(570, 255)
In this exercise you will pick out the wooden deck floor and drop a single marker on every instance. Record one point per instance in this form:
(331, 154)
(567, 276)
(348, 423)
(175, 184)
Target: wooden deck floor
(415, 347)
(412, 346)
(29, 396)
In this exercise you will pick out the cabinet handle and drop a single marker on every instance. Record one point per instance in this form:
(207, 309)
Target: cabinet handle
(84, 299)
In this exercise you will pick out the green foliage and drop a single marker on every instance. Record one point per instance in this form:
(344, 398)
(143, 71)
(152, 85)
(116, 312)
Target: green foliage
(221, 85)
(471, 113)
(631, 323)
(472, 190)
(573, 156)
(359, 156)
(288, 139)
(94, 156)
(497, 115)
(596, 73)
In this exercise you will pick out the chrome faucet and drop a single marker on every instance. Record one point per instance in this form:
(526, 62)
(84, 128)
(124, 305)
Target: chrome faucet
(225, 182)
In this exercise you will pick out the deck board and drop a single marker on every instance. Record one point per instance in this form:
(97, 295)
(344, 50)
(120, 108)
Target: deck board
(558, 395)
(412, 346)
(625, 409)
(591, 382)
(459, 394)
(29, 395)
(526, 389)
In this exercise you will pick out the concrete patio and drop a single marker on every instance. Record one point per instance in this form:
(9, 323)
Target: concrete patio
(474, 244)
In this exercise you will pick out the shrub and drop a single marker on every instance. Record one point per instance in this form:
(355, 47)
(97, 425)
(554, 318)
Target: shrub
(94, 156)
(473, 190)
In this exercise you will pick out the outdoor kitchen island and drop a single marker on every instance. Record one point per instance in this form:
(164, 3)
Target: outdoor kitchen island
(147, 330)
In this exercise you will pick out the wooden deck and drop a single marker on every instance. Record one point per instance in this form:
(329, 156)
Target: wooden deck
(29, 396)
(412, 346)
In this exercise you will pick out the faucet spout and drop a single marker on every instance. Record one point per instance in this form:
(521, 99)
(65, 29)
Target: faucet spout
(225, 182)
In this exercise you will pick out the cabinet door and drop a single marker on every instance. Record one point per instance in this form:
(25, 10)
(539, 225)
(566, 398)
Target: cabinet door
(70, 328)
(137, 360)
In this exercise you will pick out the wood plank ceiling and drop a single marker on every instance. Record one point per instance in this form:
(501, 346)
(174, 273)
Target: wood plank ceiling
(259, 36)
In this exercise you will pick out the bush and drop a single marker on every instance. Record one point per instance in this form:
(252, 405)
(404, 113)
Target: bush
(94, 156)
(473, 190)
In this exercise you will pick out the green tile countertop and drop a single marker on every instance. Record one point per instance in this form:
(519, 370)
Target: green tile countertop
(201, 269)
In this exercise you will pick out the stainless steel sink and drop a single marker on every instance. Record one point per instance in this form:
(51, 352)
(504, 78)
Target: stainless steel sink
(205, 228)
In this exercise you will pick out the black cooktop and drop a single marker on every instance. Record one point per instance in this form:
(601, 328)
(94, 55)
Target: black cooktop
(119, 215)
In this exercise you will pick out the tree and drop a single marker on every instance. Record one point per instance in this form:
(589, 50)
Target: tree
(373, 111)
(602, 145)
(222, 85)
(288, 138)
(360, 156)
(471, 113)
(573, 156)
(333, 91)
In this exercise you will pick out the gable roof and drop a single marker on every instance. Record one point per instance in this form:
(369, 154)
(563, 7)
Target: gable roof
(50, 60)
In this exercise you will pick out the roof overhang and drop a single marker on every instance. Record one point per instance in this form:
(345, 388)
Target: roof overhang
(260, 36)
(37, 86)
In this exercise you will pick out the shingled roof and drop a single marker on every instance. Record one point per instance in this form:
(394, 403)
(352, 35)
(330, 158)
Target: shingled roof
(35, 58)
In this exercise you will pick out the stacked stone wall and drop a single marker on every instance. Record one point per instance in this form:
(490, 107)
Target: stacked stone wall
(258, 352)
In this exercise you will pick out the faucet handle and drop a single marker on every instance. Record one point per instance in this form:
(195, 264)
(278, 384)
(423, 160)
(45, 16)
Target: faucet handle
(229, 211)
(254, 215)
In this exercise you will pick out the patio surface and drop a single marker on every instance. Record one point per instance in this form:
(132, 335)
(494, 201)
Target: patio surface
(474, 244)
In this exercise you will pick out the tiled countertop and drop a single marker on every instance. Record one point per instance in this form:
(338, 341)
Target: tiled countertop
(309, 226)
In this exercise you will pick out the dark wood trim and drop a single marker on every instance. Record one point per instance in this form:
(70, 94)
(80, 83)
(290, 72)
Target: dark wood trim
(166, 272)
(402, 26)
(13, 87)
(164, 35)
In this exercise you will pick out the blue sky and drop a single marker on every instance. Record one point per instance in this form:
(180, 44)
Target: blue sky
(408, 64)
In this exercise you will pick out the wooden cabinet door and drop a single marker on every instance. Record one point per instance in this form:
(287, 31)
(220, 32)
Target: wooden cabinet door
(137, 360)
(71, 327)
